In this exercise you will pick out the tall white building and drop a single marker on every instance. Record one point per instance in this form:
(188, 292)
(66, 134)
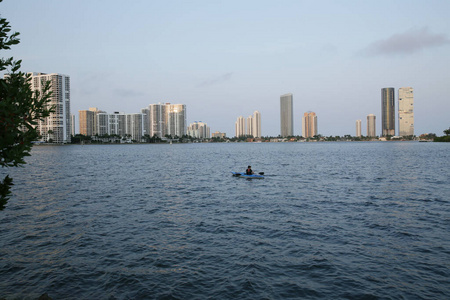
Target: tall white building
(240, 126)
(135, 126)
(176, 119)
(157, 120)
(249, 126)
(406, 111)
(117, 124)
(56, 127)
(199, 130)
(358, 128)
(256, 125)
(287, 115)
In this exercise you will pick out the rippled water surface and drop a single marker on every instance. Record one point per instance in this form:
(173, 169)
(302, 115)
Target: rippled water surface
(330, 220)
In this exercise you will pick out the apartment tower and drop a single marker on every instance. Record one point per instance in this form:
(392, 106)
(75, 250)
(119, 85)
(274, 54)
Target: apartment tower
(406, 111)
(358, 128)
(287, 115)
(55, 128)
(309, 124)
(240, 126)
(371, 126)
(388, 111)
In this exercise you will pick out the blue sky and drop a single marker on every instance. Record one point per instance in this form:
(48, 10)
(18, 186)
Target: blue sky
(224, 59)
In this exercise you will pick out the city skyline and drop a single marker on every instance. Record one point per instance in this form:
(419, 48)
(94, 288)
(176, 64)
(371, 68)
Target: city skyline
(224, 58)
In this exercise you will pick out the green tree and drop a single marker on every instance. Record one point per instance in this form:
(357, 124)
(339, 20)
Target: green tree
(20, 110)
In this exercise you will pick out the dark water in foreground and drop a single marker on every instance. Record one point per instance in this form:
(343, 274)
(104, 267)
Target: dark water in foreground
(331, 220)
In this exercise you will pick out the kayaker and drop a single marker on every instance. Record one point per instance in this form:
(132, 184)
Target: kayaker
(249, 171)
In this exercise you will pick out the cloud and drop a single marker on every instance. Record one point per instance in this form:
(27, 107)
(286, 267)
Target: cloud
(216, 80)
(409, 42)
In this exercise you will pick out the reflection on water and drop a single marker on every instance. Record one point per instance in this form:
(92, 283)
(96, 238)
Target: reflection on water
(330, 220)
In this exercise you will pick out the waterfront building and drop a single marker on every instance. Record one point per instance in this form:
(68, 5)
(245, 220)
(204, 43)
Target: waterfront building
(358, 128)
(102, 123)
(86, 122)
(371, 126)
(249, 126)
(405, 111)
(240, 126)
(176, 119)
(286, 115)
(219, 134)
(55, 128)
(134, 128)
(157, 121)
(256, 125)
(388, 111)
(309, 124)
(117, 124)
(199, 130)
(146, 120)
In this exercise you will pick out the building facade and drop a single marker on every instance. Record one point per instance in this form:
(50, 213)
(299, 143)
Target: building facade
(406, 111)
(287, 115)
(256, 125)
(309, 124)
(176, 119)
(55, 128)
(86, 122)
(388, 111)
(240, 126)
(358, 128)
(371, 126)
(199, 130)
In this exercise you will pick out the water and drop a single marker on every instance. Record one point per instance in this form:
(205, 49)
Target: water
(330, 220)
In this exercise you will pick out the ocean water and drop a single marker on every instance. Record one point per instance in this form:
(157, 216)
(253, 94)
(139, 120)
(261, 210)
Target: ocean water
(367, 220)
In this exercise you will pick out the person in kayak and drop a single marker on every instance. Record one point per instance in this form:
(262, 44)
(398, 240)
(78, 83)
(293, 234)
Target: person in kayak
(249, 171)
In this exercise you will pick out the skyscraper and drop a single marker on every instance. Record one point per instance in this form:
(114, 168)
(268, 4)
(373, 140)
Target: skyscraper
(358, 128)
(56, 127)
(256, 124)
(405, 111)
(249, 126)
(158, 119)
(287, 115)
(309, 124)
(240, 126)
(176, 119)
(371, 125)
(388, 111)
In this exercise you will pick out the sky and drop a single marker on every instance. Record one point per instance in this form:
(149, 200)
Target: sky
(226, 59)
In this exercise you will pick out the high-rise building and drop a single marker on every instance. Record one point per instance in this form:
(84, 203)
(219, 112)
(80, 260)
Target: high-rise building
(86, 122)
(55, 128)
(199, 130)
(146, 120)
(240, 126)
(405, 111)
(176, 119)
(117, 124)
(309, 124)
(158, 120)
(135, 126)
(371, 126)
(287, 115)
(249, 126)
(358, 128)
(256, 126)
(388, 111)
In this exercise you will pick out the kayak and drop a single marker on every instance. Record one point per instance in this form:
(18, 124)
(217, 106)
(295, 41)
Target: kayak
(243, 175)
